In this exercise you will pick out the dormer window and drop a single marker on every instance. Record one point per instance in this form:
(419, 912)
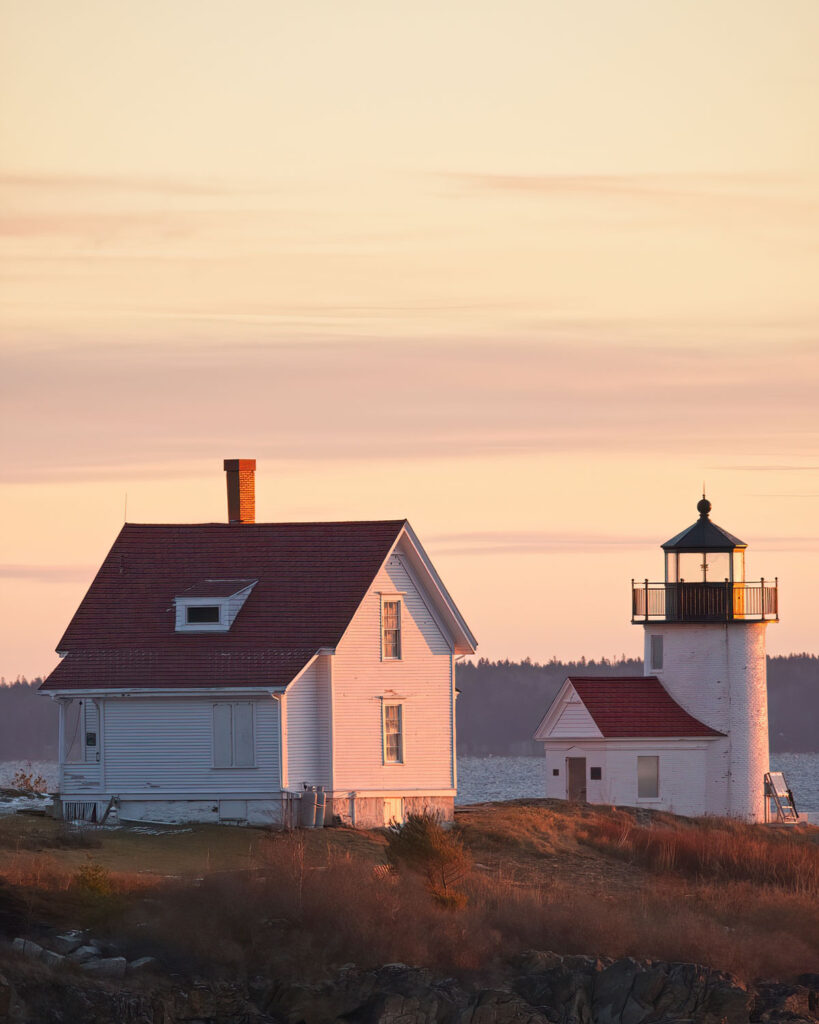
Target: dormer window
(197, 614)
(211, 606)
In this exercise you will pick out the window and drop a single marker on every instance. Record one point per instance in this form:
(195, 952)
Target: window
(555, 771)
(202, 613)
(233, 741)
(596, 773)
(393, 734)
(391, 629)
(656, 653)
(648, 778)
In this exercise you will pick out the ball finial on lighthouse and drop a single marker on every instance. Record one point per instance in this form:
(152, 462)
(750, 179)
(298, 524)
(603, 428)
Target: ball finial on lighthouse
(703, 507)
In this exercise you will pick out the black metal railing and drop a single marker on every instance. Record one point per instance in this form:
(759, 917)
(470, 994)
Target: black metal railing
(705, 602)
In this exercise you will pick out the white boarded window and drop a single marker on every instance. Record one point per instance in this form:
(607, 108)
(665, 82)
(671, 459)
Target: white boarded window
(391, 628)
(648, 778)
(393, 733)
(656, 653)
(233, 743)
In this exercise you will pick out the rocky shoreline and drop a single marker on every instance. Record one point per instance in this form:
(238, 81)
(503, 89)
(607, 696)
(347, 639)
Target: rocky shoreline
(531, 988)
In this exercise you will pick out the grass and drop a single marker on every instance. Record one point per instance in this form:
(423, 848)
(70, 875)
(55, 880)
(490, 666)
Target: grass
(533, 874)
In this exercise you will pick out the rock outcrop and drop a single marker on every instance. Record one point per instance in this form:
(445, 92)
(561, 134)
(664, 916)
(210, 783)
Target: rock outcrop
(533, 988)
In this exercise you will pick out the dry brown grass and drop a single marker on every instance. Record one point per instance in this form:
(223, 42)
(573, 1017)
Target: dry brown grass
(715, 848)
(544, 876)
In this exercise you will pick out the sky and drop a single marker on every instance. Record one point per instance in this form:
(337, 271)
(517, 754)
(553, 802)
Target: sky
(525, 273)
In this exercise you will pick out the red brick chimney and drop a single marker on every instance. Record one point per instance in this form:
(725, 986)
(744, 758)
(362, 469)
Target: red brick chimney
(241, 490)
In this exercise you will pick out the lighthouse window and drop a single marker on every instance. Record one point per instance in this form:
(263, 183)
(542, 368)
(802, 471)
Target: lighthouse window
(656, 653)
(648, 778)
(595, 773)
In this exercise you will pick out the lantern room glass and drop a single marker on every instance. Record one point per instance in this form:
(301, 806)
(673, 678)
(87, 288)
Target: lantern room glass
(705, 566)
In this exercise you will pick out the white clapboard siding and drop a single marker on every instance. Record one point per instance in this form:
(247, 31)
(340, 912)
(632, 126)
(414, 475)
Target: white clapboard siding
(422, 680)
(574, 720)
(165, 744)
(308, 727)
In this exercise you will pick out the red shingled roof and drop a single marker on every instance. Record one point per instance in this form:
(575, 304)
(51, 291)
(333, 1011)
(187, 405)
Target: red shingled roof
(635, 706)
(311, 579)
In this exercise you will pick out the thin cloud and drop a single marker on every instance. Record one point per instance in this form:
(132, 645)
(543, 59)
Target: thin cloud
(510, 542)
(117, 183)
(396, 400)
(527, 542)
(47, 573)
(719, 195)
(775, 468)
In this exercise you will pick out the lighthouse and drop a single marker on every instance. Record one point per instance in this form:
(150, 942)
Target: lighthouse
(704, 627)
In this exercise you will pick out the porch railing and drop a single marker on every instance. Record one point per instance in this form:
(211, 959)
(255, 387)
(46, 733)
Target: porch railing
(705, 602)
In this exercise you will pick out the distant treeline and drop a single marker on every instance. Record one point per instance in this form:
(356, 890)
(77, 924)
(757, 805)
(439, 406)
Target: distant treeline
(502, 702)
(28, 723)
(499, 707)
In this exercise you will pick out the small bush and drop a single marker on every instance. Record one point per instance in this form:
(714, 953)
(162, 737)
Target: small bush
(27, 782)
(422, 845)
(94, 879)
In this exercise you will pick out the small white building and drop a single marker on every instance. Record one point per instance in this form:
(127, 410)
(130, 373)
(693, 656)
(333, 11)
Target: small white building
(691, 736)
(213, 671)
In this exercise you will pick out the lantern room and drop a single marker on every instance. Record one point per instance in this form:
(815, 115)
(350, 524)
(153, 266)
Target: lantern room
(704, 580)
(704, 553)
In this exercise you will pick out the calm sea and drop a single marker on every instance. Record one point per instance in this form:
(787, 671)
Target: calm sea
(510, 778)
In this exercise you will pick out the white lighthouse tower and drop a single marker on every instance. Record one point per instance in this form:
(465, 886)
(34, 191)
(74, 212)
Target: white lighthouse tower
(705, 641)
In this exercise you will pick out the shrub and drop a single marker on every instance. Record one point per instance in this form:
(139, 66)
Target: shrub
(94, 879)
(25, 780)
(422, 845)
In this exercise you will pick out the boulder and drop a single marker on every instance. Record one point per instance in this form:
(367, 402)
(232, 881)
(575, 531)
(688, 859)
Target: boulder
(51, 959)
(144, 963)
(67, 942)
(84, 954)
(107, 967)
(27, 948)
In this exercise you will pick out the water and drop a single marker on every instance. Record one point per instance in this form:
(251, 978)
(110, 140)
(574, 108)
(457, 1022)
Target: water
(511, 778)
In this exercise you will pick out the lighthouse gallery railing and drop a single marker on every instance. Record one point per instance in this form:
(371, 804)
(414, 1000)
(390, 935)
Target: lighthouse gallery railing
(705, 602)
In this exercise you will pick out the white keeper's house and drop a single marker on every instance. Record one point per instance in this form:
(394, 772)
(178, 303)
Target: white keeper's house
(214, 670)
(691, 735)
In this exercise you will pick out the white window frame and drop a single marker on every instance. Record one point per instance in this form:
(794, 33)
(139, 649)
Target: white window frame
(233, 766)
(385, 703)
(182, 624)
(393, 599)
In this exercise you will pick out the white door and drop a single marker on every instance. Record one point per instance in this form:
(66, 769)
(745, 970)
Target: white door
(393, 810)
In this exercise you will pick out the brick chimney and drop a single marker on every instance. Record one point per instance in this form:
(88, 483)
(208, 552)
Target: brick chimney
(241, 490)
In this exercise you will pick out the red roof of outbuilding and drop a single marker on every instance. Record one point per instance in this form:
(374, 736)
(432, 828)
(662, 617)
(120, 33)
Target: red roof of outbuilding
(311, 579)
(636, 706)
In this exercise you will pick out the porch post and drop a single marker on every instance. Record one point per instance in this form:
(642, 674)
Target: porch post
(61, 732)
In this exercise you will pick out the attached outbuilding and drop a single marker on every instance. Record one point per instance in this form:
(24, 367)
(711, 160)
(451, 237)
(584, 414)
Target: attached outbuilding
(625, 740)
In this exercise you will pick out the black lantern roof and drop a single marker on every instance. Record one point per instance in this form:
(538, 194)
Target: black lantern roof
(704, 535)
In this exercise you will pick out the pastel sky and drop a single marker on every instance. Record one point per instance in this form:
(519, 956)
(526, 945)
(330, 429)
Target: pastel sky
(524, 272)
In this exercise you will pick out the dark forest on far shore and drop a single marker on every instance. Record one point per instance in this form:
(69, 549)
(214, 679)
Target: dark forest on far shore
(499, 706)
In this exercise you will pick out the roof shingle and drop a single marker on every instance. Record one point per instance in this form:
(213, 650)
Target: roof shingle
(311, 579)
(636, 706)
